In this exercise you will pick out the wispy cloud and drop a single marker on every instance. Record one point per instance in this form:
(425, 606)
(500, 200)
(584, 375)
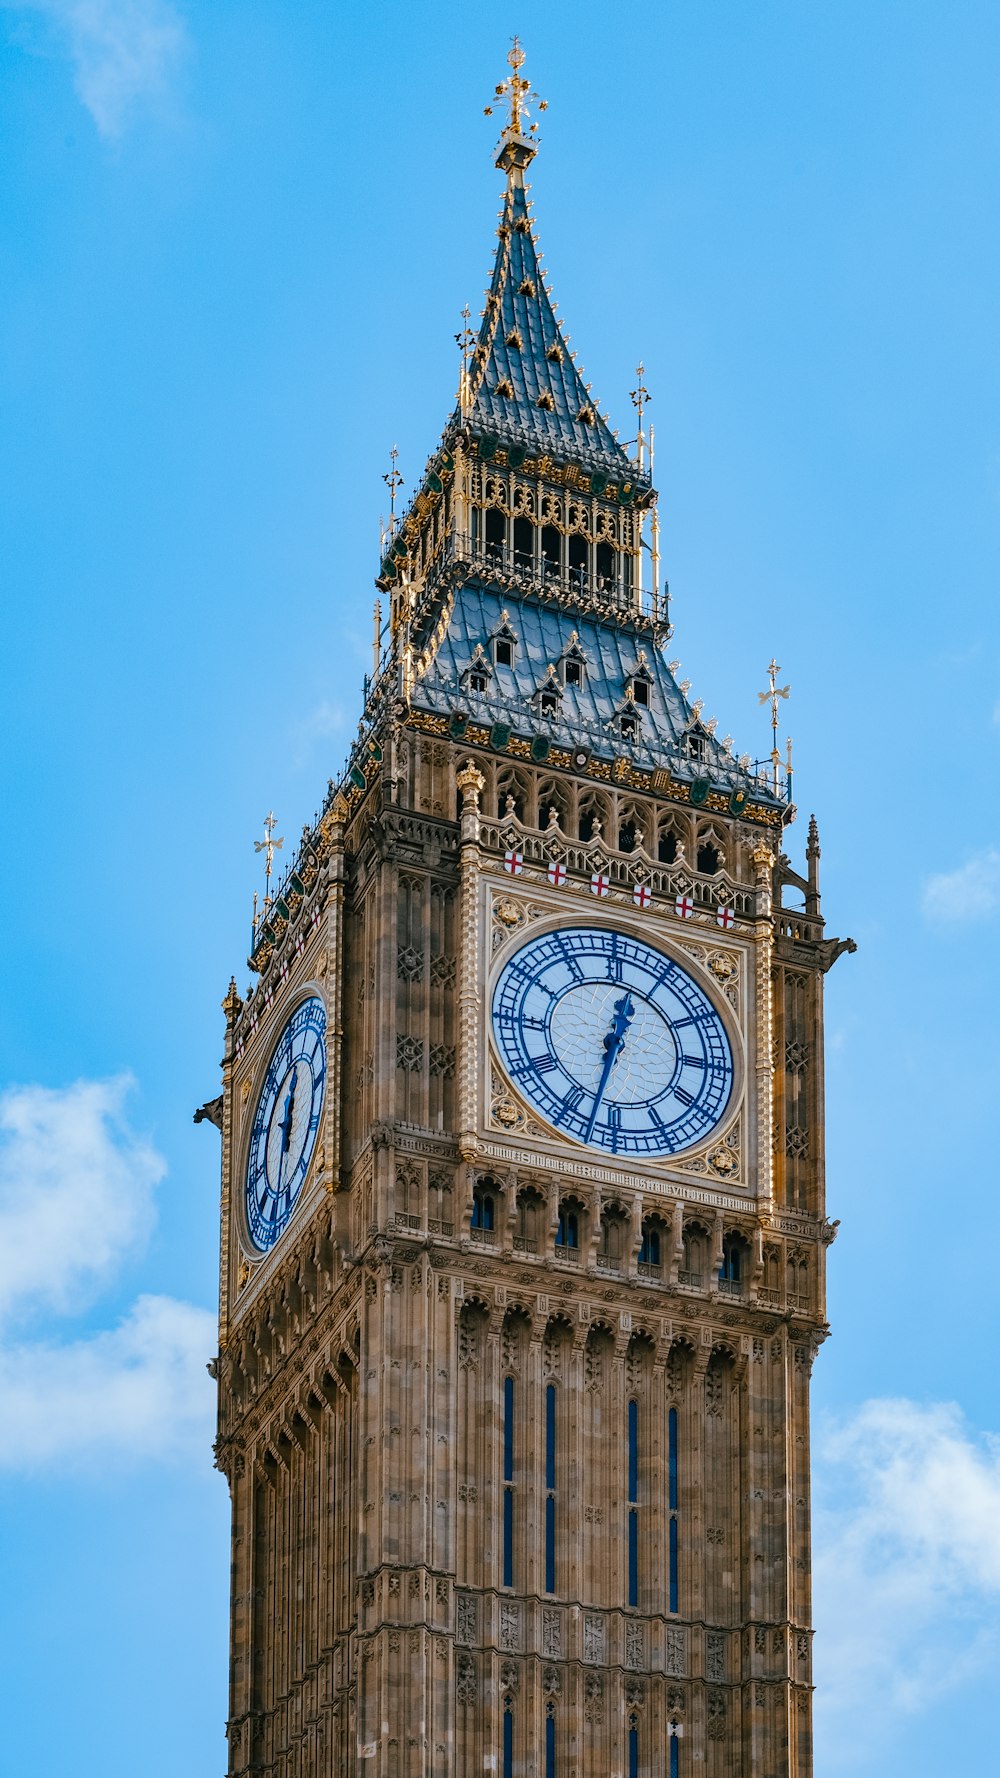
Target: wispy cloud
(77, 1187)
(907, 1566)
(76, 1192)
(973, 890)
(125, 53)
(139, 1391)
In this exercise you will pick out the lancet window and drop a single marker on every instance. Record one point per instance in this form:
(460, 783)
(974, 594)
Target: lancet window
(550, 1487)
(673, 1498)
(508, 1482)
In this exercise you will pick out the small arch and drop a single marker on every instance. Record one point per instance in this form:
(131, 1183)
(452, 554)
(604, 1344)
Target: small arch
(530, 1220)
(653, 1246)
(485, 1220)
(612, 1240)
(524, 543)
(551, 552)
(734, 1270)
(569, 1228)
(594, 817)
(577, 553)
(707, 858)
(496, 533)
(605, 565)
(695, 1254)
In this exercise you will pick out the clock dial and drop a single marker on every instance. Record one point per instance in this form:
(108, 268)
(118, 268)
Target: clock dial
(286, 1123)
(613, 1042)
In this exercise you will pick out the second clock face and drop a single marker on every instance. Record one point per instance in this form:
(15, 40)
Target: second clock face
(286, 1123)
(613, 1042)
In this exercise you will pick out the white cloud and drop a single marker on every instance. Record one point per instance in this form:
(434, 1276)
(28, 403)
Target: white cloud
(965, 894)
(140, 1391)
(125, 52)
(906, 1567)
(76, 1197)
(76, 1192)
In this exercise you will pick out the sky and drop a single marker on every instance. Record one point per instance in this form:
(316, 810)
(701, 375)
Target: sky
(235, 241)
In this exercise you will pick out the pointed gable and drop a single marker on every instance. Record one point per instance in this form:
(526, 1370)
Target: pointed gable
(525, 388)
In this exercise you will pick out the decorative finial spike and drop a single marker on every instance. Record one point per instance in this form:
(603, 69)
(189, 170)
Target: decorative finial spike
(771, 696)
(517, 148)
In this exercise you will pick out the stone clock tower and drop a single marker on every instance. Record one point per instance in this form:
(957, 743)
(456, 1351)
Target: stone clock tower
(523, 1229)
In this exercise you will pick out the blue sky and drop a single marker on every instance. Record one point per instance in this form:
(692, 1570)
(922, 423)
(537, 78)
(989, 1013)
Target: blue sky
(235, 242)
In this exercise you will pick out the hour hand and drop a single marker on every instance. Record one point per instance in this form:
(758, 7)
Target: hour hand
(614, 1038)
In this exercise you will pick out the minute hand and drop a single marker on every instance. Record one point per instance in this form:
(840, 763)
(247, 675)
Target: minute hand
(623, 1015)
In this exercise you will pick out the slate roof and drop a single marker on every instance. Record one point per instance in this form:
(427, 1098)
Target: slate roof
(540, 369)
(587, 714)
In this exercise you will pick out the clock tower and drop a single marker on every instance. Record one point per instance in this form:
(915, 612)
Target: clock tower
(523, 1221)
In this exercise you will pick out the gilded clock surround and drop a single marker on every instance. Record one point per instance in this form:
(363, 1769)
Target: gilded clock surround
(365, 1361)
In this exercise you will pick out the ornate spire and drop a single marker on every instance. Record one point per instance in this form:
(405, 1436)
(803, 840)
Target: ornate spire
(517, 150)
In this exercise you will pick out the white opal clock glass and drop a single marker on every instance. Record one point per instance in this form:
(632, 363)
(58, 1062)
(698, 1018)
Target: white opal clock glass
(286, 1123)
(613, 1042)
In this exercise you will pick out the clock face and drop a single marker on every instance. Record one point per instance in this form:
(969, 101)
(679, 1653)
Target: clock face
(612, 1042)
(286, 1123)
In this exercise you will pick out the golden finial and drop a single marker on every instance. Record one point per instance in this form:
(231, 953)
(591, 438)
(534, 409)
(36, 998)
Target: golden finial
(519, 95)
(771, 696)
(269, 846)
(640, 399)
(465, 341)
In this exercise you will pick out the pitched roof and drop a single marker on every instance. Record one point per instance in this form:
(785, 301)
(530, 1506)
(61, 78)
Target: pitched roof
(587, 714)
(525, 386)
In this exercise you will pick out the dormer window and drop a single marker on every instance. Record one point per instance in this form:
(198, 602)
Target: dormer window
(696, 746)
(549, 693)
(504, 642)
(640, 693)
(477, 674)
(573, 663)
(629, 726)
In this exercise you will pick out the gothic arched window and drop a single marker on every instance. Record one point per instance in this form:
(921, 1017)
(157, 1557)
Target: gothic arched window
(633, 1499)
(496, 533)
(708, 858)
(524, 543)
(568, 1227)
(651, 1251)
(483, 1210)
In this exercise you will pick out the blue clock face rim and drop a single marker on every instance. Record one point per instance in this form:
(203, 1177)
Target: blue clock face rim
(286, 1124)
(613, 1042)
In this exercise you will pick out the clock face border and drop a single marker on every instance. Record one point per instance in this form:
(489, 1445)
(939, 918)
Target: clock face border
(252, 1250)
(617, 921)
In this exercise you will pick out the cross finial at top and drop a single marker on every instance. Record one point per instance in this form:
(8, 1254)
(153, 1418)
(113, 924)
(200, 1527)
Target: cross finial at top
(520, 95)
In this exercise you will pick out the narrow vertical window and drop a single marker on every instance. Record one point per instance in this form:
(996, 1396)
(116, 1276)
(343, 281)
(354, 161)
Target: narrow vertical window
(508, 1478)
(675, 1755)
(550, 1744)
(633, 1496)
(672, 1497)
(633, 1750)
(508, 1739)
(550, 1488)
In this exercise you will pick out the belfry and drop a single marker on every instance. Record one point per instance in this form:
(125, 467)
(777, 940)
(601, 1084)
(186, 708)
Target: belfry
(523, 1225)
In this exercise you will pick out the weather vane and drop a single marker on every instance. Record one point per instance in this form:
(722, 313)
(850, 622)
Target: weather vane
(640, 398)
(771, 696)
(269, 846)
(518, 93)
